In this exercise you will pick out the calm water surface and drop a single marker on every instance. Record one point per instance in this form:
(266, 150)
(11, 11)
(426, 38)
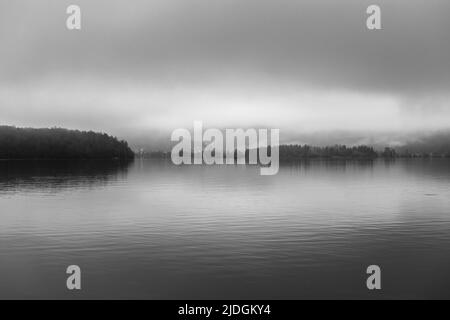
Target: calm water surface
(152, 230)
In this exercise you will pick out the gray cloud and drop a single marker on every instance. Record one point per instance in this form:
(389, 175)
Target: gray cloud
(168, 57)
(314, 42)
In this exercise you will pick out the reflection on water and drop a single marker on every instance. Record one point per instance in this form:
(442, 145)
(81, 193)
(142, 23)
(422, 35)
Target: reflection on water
(154, 230)
(57, 175)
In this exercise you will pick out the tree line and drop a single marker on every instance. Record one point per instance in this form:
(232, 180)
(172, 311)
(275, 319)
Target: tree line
(294, 152)
(57, 143)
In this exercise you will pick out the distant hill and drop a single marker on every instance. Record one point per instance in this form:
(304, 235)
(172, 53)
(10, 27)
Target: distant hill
(438, 143)
(57, 143)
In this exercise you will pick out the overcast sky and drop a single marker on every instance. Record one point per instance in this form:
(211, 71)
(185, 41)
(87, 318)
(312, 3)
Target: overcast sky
(301, 66)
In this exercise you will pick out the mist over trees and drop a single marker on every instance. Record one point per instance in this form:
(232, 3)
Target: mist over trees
(57, 143)
(436, 144)
(295, 152)
(290, 152)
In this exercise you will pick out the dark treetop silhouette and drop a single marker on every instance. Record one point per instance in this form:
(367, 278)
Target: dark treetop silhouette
(294, 152)
(57, 143)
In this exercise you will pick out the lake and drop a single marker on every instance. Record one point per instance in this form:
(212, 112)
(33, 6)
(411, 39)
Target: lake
(151, 230)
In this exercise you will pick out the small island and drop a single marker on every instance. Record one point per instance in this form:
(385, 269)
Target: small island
(58, 143)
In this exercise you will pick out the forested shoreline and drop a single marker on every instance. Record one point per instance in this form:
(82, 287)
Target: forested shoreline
(58, 143)
(294, 152)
